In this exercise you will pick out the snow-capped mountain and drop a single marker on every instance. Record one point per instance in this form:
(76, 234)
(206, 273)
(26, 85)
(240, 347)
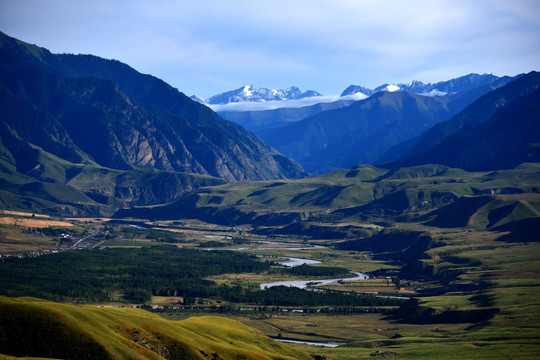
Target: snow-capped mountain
(355, 89)
(249, 93)
(462, 83)
(249, 98)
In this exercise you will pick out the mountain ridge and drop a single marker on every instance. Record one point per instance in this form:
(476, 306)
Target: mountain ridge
(249, 93)
(459, 84)
(363, 131)
(484, 110)
(509, 137)
(170, 131)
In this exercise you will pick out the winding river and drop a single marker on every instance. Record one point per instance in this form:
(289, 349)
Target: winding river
(292, 261)
(314, 343)
(302, 284)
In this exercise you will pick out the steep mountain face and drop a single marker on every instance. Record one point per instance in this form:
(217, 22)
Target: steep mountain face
(508, 138)
(249, 93)
(511, 107)
(463, 83)
(33, 180)
(84, 106)
(364, 131)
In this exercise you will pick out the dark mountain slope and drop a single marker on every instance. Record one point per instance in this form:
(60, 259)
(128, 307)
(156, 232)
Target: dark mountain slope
(257, 121)
(476, 113)
(362, 132)
(509, 137)
(124, 119)
(34, 180)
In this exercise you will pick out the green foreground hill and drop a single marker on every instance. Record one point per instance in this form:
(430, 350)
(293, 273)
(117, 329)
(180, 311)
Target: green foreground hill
(38, 328)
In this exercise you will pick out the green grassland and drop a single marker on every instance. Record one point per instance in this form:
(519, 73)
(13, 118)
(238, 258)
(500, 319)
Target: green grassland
(463, 245)
(507, 270)
(490, 309)
(363, 194)
(32, 327)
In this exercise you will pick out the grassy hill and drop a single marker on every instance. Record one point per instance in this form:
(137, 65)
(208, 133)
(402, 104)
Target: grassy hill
(37, 328)
(364, 193)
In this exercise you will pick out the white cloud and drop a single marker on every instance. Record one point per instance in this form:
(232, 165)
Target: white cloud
(434, 93)
(276, 104)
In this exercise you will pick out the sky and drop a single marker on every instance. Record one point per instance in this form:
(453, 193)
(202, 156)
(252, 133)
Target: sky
(207, 47)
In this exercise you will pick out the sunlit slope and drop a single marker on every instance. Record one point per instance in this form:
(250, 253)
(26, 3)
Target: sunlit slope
(489, 198)
(38, 328)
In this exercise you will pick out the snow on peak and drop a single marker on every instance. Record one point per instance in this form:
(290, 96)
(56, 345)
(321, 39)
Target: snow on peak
(248, 93)
(391, 88)
(247, 90)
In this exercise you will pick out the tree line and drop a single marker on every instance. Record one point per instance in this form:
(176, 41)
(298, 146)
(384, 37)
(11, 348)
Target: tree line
(99, 274)
(139, 273)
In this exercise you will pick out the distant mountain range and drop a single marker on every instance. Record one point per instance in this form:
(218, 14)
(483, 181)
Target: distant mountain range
(395, 123)
(363, 132)
(249, 93)
(259, 119)
(498, 131)
(463, 83)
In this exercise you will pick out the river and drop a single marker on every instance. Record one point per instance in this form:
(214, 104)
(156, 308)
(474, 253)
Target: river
(288, 246)
(314, 343)
(302, 284)
(292, 262)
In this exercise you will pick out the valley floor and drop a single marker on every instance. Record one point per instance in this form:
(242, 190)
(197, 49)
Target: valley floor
(474, 296)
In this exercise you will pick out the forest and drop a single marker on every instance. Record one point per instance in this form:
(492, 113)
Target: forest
(136, 274)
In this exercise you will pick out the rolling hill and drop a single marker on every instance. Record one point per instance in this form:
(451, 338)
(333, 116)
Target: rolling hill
(36, 328)
(362, 194)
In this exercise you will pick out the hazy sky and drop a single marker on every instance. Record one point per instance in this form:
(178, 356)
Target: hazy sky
(207, 47)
